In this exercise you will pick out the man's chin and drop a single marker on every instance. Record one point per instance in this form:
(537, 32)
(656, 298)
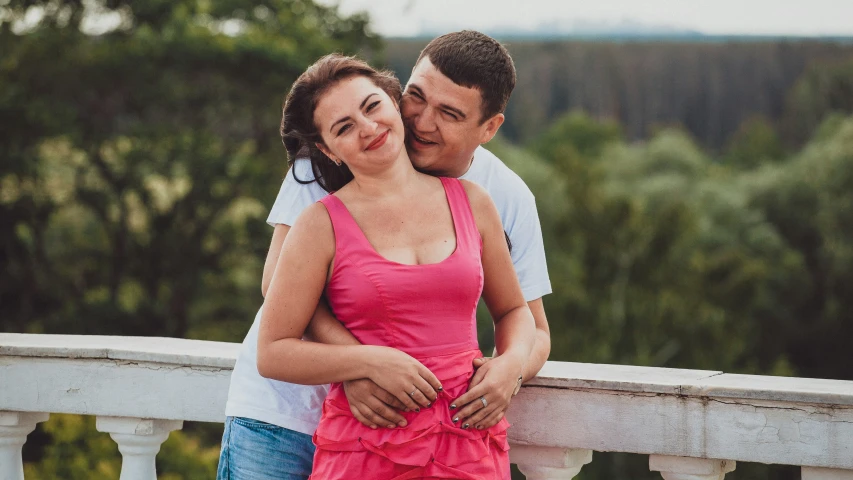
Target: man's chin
(420, 161)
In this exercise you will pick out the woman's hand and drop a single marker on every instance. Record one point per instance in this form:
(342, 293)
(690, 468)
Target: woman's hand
(403, 377)
(495, 382)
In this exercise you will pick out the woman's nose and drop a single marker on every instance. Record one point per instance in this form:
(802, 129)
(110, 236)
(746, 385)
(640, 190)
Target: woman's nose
(368, 127)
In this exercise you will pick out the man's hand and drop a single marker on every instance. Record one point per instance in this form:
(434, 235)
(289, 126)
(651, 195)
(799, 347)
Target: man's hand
(372, 405)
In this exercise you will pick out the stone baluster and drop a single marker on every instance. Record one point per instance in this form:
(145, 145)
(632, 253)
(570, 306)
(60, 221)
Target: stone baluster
(138, 441)
(687, 468)
(14, 428)
(549, 463)
(814, 473)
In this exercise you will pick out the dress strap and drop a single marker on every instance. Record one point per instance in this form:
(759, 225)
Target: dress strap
(348, 234)
(467, 233)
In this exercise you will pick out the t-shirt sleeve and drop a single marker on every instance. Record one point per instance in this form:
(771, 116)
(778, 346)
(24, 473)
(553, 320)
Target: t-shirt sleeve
(528, 249)
(295, 196)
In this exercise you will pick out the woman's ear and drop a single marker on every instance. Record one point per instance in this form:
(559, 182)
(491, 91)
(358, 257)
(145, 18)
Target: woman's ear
(328, 153)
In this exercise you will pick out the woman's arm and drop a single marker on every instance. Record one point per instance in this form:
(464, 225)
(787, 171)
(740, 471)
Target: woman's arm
(515, 329)
(294, 292)
(291, 300)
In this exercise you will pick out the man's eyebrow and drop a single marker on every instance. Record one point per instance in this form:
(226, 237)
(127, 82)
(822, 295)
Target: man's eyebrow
(363, 103)
(445, 106)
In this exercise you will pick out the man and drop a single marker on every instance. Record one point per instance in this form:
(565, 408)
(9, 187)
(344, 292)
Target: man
(454, 101)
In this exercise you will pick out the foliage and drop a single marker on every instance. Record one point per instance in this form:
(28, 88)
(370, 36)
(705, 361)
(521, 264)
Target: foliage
(755, 143)
(823, 90)
(134, 162)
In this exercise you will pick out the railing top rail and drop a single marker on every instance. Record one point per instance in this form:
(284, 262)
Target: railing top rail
(559, 375)
(175, 351)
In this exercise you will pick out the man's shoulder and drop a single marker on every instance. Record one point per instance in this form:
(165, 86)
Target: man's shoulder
(503, 184)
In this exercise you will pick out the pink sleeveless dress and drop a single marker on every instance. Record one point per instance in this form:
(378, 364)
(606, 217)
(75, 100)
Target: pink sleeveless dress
(427, 311)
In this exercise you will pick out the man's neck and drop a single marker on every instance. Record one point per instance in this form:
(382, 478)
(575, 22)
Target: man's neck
(455, 172)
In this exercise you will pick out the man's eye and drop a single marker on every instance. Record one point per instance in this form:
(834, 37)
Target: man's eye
(450, 114)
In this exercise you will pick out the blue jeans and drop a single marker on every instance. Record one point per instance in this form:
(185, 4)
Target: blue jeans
(254, 450)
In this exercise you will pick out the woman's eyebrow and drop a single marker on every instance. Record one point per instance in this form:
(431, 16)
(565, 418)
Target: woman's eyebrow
(363, 102)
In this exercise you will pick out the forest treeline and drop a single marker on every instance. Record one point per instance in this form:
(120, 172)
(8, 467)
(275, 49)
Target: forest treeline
(709, 88)
(689, 229)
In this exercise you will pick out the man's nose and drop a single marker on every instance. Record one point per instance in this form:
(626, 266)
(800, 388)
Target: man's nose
(424, 121)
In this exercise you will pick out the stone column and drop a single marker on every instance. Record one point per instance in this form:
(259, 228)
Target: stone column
(14, 428)
(687, 468)
(549, 463)
(815, 473)
(138, 441)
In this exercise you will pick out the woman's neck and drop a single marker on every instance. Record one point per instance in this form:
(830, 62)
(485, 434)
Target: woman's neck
(391, 181)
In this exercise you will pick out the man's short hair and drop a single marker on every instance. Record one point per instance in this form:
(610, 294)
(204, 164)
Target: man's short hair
(475, 60)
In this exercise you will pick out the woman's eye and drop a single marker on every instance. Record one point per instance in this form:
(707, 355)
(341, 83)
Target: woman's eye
(372, 105)
(343, 130)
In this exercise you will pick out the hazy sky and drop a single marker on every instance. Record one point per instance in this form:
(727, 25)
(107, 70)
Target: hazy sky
(756, 17)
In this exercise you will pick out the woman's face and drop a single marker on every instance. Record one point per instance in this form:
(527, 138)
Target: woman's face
(360, 124)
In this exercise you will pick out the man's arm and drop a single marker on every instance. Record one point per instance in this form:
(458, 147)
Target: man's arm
(542, 343)
(272, 256)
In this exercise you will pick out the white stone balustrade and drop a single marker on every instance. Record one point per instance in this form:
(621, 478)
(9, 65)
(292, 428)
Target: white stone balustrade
(694, 425)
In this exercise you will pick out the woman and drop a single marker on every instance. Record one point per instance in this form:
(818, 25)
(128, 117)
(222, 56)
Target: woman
(402, 258)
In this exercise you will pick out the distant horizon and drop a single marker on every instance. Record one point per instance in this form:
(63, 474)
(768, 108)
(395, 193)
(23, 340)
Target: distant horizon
(695, 36)
(711, 18)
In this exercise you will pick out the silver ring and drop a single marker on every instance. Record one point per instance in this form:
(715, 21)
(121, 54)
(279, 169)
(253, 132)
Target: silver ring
(485, 403)
(413, 392)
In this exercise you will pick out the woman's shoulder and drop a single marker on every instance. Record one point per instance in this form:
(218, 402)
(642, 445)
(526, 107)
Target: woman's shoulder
(477, 195)
(314, 225)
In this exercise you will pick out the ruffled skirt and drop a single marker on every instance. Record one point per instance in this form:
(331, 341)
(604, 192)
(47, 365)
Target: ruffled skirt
(430, 446)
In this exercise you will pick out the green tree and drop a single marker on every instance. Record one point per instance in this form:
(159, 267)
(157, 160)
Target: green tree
(824, 89)
(810, 202)
(754, 143)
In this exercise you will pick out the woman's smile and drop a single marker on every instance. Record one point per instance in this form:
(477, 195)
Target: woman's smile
(379, 141)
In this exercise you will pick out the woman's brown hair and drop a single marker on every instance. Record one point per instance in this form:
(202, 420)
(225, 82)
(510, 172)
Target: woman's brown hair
(299, 132)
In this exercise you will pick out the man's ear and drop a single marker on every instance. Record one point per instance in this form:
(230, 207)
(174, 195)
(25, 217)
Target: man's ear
(327, 152)
(492, 125)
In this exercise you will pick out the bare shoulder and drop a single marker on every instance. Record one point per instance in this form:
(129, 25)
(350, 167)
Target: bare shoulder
(485, 212)
(313, 228)
(477, 195)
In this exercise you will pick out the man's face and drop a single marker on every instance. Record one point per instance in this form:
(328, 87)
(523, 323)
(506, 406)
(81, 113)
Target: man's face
(443, 122)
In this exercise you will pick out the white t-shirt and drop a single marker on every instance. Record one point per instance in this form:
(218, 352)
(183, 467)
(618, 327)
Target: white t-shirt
(298, 407)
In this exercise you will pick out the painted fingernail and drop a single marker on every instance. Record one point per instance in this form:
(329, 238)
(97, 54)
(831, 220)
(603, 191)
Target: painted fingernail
(453, 406)
(465, 426)
(479, 427)
(440, 388)
(455, 419)
(418, 410)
